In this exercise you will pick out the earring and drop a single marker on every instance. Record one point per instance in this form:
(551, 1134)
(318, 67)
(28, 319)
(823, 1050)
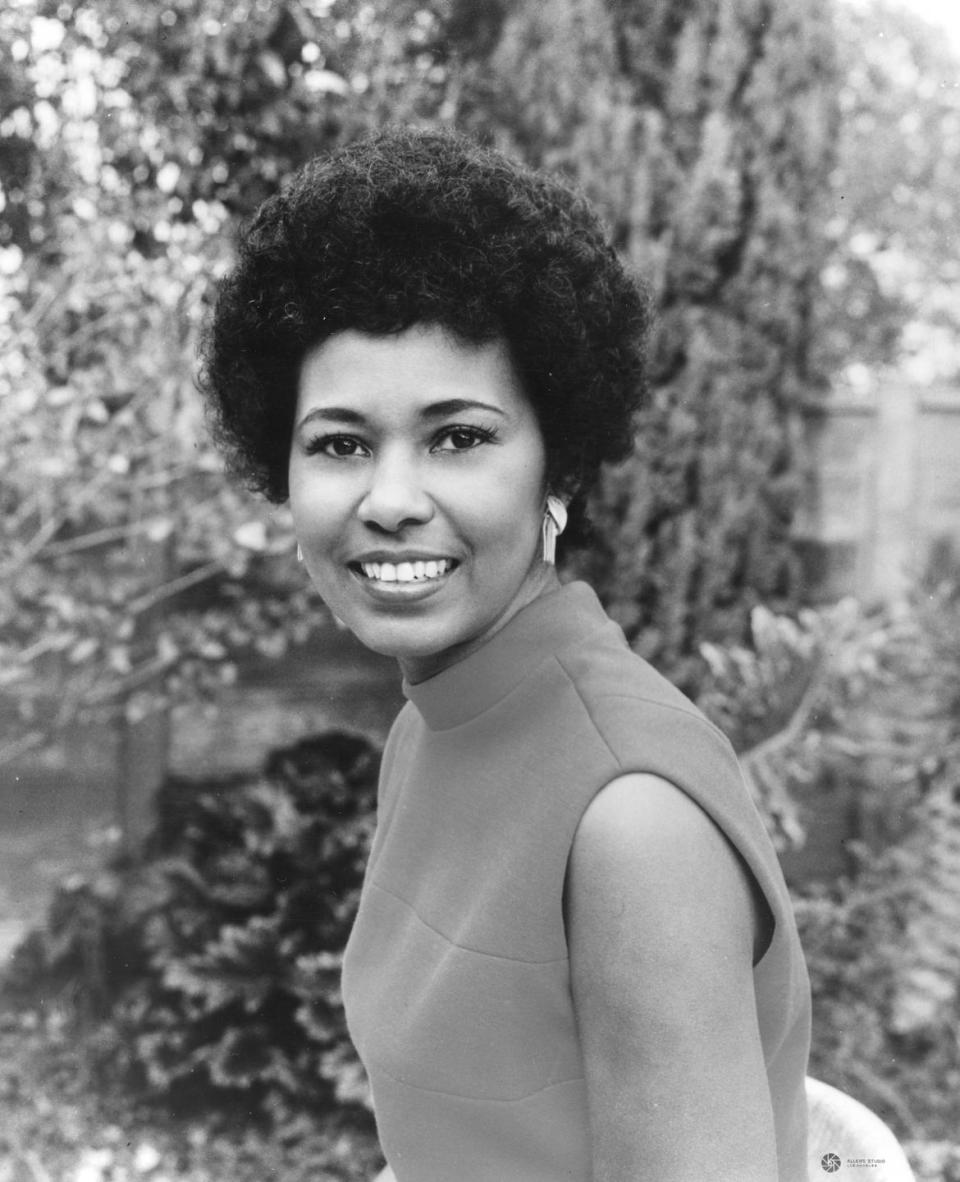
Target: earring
(554, 523)
(299, 553)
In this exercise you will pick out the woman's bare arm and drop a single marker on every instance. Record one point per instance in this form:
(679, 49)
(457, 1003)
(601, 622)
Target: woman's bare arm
(663, 925)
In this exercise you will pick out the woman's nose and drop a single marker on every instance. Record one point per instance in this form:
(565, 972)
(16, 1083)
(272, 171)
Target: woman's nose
(395, 496)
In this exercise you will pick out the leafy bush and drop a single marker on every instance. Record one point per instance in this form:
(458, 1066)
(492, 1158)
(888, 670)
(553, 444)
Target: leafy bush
(884, 946)
(209, 970)
(57, 1127)
(784, 699)
(870, 702)
(885, 1013)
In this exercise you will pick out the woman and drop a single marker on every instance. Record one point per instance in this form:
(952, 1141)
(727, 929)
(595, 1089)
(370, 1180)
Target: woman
(574, 956)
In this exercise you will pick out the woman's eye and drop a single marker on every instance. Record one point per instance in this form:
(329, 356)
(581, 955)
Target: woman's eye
(338, 446)
(462, 438)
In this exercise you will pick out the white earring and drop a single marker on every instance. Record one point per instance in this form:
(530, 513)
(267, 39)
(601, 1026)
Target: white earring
(554, 523)
(299, 553)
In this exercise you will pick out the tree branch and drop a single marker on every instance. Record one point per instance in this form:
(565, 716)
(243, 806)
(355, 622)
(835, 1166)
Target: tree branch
(49, 531)
(97, 537)
(789, 734)
(208, 571)
(136, 679)
(9, 752)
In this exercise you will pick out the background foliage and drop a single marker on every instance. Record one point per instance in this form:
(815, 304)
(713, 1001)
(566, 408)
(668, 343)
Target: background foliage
(132, 138)
(868, 704)
(210, 964)
(886, 299)
(734, 147)
(705, 131)
(205, 973)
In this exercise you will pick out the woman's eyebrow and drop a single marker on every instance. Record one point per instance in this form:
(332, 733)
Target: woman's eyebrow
(435, 410)
(456, 406)
(334, 414)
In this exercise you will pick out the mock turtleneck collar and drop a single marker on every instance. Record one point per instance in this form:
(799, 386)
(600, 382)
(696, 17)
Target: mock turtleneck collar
(482, 678)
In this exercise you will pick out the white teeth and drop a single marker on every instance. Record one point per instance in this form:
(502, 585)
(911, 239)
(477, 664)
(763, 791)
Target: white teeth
(406, 572)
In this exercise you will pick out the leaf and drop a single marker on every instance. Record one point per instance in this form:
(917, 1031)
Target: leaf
(246, 1057)
(252, 535)
(83, 650)
(200, 982)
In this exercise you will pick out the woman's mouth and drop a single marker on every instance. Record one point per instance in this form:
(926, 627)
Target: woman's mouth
(405, 572)
(406, 582)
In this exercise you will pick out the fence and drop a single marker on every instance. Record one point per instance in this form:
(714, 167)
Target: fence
(882, 506)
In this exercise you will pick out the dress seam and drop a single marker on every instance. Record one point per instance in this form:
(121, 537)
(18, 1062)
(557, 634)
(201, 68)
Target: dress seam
(478, 1099)
(463, 947)
(469, 720)
(693, 715)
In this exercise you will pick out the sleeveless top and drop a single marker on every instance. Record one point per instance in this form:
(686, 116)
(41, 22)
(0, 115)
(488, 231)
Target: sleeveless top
(456, 978)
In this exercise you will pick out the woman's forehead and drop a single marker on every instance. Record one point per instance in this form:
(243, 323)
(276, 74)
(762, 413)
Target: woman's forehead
(422, 372)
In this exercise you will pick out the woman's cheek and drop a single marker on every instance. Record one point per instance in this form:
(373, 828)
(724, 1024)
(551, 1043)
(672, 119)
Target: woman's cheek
(320, 508)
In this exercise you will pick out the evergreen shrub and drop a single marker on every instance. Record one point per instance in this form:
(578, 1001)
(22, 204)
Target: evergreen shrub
(207, 971)
(705, 132)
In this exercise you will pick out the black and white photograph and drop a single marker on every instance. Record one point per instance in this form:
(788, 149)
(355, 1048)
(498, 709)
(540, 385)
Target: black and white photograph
(479, 591)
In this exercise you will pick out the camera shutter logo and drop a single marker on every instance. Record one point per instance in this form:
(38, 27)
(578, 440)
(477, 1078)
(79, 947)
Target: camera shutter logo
(830, 1163)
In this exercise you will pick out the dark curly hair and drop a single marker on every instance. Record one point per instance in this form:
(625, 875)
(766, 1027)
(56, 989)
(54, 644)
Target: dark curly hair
(427, 227)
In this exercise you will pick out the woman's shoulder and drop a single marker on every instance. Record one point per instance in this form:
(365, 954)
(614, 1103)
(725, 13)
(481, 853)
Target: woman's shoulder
(632, 705)
(650, 728)
(642, 836)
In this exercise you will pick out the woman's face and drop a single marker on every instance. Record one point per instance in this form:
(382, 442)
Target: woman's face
(417, 490)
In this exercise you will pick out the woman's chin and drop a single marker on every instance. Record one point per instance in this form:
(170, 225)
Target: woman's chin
(401, 642)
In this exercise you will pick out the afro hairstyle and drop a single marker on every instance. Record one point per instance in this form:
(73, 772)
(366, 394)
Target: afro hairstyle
(426, 227)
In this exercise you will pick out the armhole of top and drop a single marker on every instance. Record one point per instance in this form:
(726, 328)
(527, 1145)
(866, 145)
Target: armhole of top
(764, 920)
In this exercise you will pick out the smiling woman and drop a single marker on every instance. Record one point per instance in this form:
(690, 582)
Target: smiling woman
(417, 484)
(574, 956)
